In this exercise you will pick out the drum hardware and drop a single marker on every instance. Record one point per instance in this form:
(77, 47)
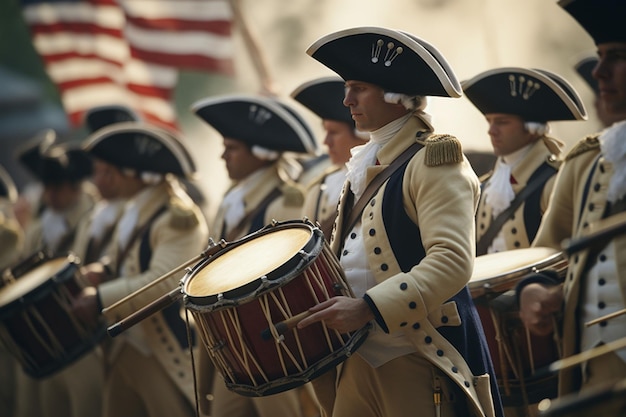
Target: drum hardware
(516, 353)
(607, 317)
(36, 322)
(258, 282)
(12, 273)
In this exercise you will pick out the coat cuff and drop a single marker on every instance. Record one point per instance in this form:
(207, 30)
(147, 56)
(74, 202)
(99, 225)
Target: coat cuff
(377, 316)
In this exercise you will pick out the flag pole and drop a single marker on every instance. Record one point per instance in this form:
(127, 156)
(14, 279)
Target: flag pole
(256, 54)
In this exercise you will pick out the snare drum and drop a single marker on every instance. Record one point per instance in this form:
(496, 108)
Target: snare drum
(36, 323)
(239, 295)
(516, 353)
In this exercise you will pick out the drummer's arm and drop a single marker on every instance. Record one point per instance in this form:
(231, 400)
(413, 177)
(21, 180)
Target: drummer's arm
(344, 314)
(540, 297)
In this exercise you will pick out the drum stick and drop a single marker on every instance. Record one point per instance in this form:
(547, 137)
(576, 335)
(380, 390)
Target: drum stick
(145, 312)
(152, 284)
(587, 355)
(284, 326)
(607, 317)
(599, 231)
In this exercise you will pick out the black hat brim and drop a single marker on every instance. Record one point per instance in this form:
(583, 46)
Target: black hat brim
(257, 121)
(396, 61)
(141, 147)
(534, 95)
(602, 19)
(324, 97)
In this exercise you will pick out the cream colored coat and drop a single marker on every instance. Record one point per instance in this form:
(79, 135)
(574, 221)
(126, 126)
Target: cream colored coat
(442, 200)
(176, 236)
(566, 218)
(515, 232)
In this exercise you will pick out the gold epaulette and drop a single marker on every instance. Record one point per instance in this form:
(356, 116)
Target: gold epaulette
(588, 143)
(184, 214)
(442, 150)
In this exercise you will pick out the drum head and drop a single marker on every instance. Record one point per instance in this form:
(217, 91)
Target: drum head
(496, 268)
(247, 262)
(30, 281)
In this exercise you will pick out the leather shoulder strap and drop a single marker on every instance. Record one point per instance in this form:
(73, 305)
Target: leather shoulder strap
(353, 214)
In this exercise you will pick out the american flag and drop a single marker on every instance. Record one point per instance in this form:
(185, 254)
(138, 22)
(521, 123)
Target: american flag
(101, 52)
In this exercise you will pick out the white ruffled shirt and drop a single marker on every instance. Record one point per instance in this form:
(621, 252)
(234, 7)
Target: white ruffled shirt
(613, 146)
(233, 203)
(129, 219)
(499, 193)
(53, 228)
(364, 156)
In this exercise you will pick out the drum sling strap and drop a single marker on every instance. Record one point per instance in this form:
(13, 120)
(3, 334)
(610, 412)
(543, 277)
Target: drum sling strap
(485, 240)
(352, 215)
(136, 234)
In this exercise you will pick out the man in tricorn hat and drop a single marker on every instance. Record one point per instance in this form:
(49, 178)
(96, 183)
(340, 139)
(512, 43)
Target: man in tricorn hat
(517, 104)
(324, 97)
(256, 133)
(149, 370)
(67, 199)
(95, 234)
(63, 169)
(584, 67)
(405, 238)
(590, 187)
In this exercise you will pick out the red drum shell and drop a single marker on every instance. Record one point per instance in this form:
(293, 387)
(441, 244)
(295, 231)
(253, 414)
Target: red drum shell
(232, 322)
(519, 353)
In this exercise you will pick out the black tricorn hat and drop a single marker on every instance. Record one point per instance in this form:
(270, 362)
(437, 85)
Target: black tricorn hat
(101, 116)
(602, 19)
(8, 189)
(396, 61)
(584, 67)
(258, 121)
(141, 147)
(324, 97)
(53, 163)
(533, 94)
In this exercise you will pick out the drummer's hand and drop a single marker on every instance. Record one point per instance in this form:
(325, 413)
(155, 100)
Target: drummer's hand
(343, 314)
(85, 306)
(94, 273)
(538, 304)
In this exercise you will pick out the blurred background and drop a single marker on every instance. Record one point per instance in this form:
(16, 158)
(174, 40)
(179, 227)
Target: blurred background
(474, 35)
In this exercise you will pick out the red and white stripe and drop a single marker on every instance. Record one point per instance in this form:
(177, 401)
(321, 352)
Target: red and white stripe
(101, 52)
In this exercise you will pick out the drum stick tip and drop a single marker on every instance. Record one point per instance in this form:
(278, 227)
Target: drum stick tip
(281, 328)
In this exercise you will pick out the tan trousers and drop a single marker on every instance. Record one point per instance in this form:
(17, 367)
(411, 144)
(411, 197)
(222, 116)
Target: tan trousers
(76, 390)
(27, 397)
(138, 386)
(402, 387)
(230, 404)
